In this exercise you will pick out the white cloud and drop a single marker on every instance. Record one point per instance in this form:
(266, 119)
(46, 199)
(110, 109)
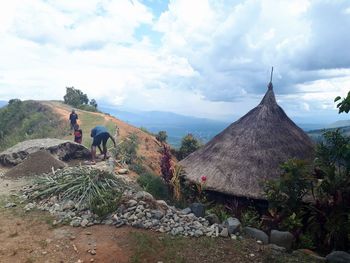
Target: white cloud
(213, 59)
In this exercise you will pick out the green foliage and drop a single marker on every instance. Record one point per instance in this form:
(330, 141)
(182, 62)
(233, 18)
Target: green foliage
(162, 136)
(154, 185)
(102, 209)
(78, 99)
(286, 194)
(127, 149)
(75, 97)
(23, 120)
(189, 144)
(292, 223)
(250, 217)
(327, 218)
(95, 189)
(137, 167)
(344, 105)
(219, 210)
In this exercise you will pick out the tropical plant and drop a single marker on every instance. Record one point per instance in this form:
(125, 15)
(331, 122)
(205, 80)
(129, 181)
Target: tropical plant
(95, 189)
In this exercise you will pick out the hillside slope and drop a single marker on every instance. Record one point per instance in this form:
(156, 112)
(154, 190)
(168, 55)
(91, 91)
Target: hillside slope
(149, 147)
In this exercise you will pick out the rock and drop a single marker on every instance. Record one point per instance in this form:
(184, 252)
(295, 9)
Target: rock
(143, 195)
(257, 234)
(93, 252)
(282, 238)
(123, 171)
(29, 207)
(309, 253)
(8, 205)
(68, 205)
(224, 232)
(64, 150)
(162, 204)
(157, 214)
(198, 209)
(275, 248)
(233, 225)
(186, 211)
(338, 257)
(198, 233)
(212, 219)
(75, 222)
(131, 203)
(84, 222)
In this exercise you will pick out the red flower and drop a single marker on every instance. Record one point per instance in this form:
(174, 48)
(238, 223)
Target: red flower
(203, 178)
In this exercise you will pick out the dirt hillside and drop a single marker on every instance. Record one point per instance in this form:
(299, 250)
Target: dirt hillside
(149, 147)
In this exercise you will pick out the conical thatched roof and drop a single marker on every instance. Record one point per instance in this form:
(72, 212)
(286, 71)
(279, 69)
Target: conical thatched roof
(250, 150)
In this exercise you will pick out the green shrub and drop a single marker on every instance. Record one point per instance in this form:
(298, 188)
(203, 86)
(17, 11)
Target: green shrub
(250, 217)
(189, 144)
(161, 136)
(127, 149)
(154, 185)
(110, 203)
(220, 211)
(87, 107)
(137, 167)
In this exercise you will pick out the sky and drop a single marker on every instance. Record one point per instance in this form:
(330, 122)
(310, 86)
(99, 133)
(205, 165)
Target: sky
(203, 58)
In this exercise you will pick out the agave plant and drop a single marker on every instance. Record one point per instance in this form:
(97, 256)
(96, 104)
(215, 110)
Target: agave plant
(83, 185)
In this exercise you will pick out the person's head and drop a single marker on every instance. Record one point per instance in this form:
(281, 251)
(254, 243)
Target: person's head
(73, 111)
(76, 127)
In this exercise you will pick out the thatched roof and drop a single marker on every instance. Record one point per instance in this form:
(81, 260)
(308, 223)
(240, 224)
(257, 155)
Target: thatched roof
(250, 150)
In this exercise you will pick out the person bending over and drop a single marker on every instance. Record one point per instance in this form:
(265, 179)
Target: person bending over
(100, 135)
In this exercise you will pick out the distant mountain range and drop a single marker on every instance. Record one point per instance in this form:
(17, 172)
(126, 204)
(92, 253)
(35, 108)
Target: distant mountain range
(2, 103)
(177, 126)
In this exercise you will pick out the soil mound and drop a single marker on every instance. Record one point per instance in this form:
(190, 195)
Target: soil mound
(35, 164)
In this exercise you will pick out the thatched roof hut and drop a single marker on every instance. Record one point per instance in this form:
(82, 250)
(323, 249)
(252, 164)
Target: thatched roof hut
(250, 150)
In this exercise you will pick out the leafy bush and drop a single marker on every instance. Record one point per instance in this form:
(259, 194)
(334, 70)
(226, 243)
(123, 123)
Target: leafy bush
(219, 210)
(78, 99)
(127, 149)
(189, 144)
(87, 107)
(162, 136)
(250, 217)
(154, 185)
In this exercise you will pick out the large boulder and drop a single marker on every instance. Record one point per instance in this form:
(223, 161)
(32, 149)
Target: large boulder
(62, 149)
(282, 238)
(232, 224)
(198, 209)
(256, 234)
(338, 257)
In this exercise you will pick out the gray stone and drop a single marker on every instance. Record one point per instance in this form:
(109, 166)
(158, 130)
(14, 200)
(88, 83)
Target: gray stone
(257, 234)
(157, 214)
(198, 209)
(75, 222)
(224, 232)
(132, 203)
(123, 171)
(29, 207)
(143, 195)
(338, 257)
(186, 211)
(233, 225)
(212, 219)
(68, 205)
(64, 150)
(8, 205)
(198, 233)
(84, 222)
(282, 238)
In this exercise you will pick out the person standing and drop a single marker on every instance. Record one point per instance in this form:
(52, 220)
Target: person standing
(73, 117)
(100, 135)
(78, 134)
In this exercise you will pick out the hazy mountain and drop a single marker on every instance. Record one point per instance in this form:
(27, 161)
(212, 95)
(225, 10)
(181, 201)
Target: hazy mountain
(176, 125)
(342, 123)
(2, 103)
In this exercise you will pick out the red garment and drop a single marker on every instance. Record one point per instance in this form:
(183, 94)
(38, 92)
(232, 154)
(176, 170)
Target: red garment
(78, 136)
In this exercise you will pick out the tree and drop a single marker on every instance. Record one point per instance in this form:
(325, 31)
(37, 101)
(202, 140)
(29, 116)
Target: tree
(161, 136)
(344, 105)
(189, 144)
(93, 103)
(75, 97)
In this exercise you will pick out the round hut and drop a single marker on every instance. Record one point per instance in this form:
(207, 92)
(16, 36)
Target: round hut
(249, 151)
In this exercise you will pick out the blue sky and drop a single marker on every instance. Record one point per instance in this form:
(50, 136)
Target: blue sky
(205, 58)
